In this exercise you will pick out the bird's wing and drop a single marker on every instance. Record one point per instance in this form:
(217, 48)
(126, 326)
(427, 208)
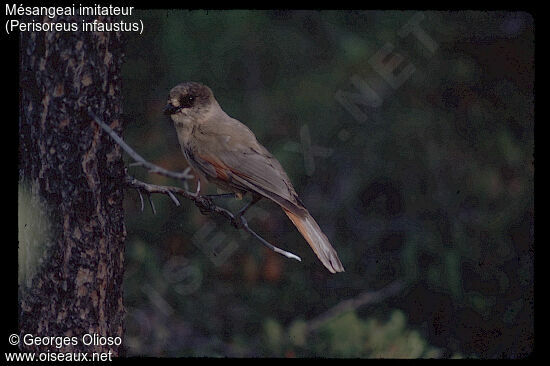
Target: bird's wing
(237, 158)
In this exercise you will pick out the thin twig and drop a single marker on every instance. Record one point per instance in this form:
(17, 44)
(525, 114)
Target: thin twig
(174, 199)
(152, 204)
(139, 160)
(267, 244)
(141, 199)
(364, 298)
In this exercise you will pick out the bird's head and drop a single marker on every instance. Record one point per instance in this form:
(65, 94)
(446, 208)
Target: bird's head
(188, 99)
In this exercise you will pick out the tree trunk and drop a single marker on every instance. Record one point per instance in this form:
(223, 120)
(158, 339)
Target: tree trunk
(74, 171)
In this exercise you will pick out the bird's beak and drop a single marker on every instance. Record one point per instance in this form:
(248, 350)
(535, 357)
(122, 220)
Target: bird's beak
(169, 109)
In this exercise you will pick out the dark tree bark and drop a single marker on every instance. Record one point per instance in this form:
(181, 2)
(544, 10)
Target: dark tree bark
(76, 170)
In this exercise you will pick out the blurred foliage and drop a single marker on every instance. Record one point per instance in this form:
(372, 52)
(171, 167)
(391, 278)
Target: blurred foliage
(349, 336)
(434, 187)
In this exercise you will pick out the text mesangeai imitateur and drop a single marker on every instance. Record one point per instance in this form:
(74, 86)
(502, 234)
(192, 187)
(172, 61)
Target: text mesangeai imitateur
(53, 11)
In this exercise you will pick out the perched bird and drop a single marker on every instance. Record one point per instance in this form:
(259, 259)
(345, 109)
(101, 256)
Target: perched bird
(226, 152)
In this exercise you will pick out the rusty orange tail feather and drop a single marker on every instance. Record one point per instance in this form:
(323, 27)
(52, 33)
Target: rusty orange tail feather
(317, 240)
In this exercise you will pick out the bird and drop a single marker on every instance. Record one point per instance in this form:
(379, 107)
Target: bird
(226, 152)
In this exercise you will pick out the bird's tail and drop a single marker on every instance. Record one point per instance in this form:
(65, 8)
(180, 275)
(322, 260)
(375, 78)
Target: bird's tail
(317, 240)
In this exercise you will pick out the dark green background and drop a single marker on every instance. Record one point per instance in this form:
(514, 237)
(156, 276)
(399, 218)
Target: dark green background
(434, 188)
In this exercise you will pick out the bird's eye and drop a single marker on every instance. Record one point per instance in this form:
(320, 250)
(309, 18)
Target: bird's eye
(187, 101)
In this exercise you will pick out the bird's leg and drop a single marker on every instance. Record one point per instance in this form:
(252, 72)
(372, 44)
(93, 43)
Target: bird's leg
(242, 211)
(240, 220)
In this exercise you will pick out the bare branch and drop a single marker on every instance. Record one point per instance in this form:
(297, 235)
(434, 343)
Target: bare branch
(206, 206)
(365, 298)
(138, 159)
